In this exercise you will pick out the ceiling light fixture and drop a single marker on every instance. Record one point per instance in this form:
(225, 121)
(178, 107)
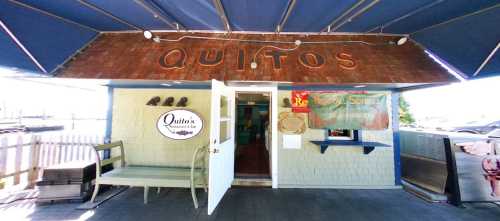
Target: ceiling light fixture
(402, 41)
(360, 86)
(147, 34)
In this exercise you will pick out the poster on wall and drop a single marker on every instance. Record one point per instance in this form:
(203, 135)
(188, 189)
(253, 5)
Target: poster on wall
(348, 111)
(300, 101)
(180, 124)
(478, 169)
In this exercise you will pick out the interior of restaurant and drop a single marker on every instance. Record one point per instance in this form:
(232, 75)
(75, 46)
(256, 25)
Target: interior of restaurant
(252, 140)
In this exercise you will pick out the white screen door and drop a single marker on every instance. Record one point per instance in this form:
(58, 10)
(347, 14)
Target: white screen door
(221, 159)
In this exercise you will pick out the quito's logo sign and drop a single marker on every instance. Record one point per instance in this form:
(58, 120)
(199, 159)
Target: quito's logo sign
(180, 124)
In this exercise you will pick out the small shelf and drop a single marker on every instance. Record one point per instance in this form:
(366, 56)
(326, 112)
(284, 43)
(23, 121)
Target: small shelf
(368, 147)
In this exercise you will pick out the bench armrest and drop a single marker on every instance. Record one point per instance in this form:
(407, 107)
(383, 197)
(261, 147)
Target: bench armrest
(199, 156)
(103, 162)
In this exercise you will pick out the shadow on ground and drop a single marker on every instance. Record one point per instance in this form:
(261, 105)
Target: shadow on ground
(259, 204)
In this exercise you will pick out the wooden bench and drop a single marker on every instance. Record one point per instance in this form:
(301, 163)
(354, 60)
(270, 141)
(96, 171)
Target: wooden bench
(151, 176)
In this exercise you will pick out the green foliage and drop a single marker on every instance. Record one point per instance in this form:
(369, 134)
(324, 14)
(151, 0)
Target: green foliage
(405, 116)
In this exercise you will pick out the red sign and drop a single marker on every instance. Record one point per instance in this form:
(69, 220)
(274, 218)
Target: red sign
(300, 101)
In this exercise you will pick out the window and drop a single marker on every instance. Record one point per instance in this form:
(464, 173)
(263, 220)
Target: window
(342, 134)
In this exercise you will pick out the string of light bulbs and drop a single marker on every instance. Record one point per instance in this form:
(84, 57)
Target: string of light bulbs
(297, 43)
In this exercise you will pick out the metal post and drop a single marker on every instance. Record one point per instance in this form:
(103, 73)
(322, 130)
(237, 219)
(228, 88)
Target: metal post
(288, 11)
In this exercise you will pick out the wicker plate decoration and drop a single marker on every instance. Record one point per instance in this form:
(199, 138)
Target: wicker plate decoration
(292, 123)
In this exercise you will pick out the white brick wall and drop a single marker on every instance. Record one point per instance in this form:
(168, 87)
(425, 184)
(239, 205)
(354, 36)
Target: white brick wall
(337, 167)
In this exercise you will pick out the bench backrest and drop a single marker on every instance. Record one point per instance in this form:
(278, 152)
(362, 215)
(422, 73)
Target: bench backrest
(103, 162)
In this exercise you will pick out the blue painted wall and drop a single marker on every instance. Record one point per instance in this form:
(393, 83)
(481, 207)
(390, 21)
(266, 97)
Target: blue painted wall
(465, 43)
(51, 41)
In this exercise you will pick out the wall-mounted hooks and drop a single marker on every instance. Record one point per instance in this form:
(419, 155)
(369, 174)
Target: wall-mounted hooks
(286, 103)
(182, 102)
(168, 102)
(154, 101)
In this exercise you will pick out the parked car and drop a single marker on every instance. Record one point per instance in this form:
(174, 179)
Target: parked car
(478, 129)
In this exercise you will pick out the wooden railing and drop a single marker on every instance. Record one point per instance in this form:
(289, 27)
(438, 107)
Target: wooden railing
(22, 157)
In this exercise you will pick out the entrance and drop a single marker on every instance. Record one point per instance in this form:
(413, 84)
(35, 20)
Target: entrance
(223, 136)
(253, 138)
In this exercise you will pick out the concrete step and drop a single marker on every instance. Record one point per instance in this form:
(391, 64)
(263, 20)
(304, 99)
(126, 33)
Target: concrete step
(258, 182)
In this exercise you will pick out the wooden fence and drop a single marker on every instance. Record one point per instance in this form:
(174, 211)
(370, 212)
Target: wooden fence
(25, 156)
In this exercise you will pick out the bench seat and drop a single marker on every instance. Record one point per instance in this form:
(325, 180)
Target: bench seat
(150, 176)
(147, 175)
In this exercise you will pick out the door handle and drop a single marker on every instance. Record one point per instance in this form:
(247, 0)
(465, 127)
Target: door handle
(215, 150)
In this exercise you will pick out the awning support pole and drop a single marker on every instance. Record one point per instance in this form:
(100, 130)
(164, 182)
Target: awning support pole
(222, 14)
(102, 11)
(486, 60)
(288, 11)
(360, 12)
(409, 14)
(52, 15)
(343, 15)
(158, 14)
(24, 49)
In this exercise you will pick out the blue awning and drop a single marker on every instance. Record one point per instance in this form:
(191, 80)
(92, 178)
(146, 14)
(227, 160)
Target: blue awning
(41, 35)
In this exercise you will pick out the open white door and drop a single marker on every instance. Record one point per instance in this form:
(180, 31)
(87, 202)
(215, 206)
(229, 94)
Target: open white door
(221, 158)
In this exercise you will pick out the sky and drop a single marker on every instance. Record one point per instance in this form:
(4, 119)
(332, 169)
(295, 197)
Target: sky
(456, 104)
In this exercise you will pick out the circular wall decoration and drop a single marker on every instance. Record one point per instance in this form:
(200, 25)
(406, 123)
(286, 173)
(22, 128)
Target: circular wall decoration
(291, 123)
(180, 124)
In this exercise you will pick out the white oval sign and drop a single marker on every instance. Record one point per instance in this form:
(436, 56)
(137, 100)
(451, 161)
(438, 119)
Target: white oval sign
(180, 124)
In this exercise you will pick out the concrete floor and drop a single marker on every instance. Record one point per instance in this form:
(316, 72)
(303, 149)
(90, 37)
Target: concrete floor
(259, 204)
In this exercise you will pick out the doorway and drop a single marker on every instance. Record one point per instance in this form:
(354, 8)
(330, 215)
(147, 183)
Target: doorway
(253, 136)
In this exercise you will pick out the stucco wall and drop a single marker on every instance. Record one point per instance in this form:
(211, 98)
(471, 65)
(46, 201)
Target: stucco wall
(341, 167)
(135, 123)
